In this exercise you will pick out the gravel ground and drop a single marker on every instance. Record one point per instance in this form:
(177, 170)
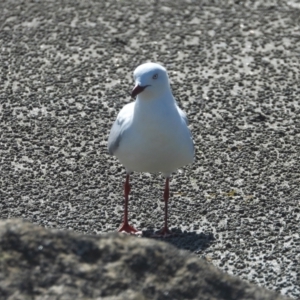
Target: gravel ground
(66, 70)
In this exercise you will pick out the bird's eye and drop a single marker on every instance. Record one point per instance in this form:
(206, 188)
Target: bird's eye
(155, 76)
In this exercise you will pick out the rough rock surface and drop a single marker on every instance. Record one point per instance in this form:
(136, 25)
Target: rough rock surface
(65, 72)
(46, 264)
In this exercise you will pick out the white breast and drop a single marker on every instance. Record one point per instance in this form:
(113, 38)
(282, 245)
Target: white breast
(157, 139)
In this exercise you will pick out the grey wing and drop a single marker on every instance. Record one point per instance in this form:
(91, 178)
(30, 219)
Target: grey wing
(185, 119)
(119, 127)
(183, 115)
(115, 136)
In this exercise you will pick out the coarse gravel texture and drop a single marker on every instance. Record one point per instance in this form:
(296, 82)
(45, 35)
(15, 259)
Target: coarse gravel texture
(65, 72)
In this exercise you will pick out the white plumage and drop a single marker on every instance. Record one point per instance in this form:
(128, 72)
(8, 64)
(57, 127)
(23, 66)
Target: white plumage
(151, 134)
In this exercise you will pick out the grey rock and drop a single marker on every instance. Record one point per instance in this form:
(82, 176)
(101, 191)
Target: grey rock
(57, 264)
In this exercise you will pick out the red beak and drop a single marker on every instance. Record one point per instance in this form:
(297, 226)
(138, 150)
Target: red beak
(137, 89)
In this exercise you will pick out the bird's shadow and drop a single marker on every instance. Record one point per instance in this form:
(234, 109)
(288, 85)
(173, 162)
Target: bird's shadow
(191, 241)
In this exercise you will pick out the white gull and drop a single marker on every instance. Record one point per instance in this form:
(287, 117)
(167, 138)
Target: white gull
(151, 134)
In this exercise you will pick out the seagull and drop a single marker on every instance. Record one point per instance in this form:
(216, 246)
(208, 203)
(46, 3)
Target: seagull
(151, 134)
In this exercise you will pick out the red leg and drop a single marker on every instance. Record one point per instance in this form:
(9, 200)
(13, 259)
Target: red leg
(125, 227)
(165, 232)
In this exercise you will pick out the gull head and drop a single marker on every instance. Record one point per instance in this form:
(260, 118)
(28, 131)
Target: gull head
(151, 81)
